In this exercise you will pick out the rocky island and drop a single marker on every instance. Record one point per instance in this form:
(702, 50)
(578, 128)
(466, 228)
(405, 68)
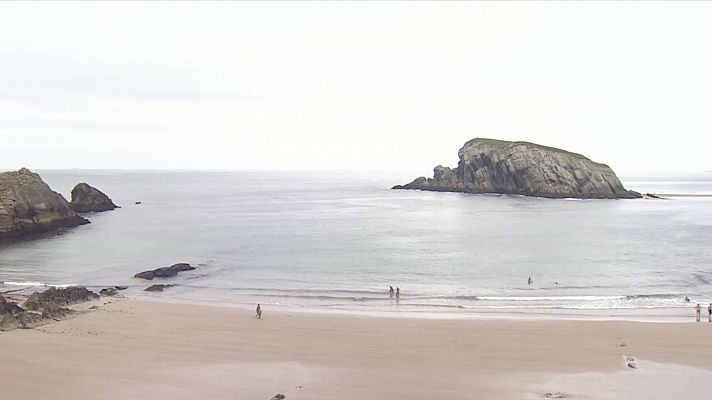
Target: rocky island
(523, 168)
(28, 205)
(87, 198)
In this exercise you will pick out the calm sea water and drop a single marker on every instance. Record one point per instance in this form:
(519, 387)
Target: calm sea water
(337, 240)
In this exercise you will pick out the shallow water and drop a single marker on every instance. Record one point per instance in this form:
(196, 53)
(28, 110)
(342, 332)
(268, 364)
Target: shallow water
(338, 239)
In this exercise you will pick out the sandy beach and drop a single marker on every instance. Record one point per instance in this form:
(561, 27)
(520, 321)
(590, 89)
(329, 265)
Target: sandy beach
(132, 349)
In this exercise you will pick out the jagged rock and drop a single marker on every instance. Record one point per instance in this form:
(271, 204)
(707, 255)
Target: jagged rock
(40, 308)
(62, 297)
(157, 288)
(121, 287)
(86, 198)
(55, 311)
(28, 205)
(12, 316)
(497, 166)
(164, 272)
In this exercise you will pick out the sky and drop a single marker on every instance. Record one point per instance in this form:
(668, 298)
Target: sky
(353, 85)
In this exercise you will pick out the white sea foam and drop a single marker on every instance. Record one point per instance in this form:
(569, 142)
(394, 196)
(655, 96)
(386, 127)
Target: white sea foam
(38, 284)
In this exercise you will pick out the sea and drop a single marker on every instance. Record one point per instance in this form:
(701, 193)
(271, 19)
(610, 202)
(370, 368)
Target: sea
(336, 240)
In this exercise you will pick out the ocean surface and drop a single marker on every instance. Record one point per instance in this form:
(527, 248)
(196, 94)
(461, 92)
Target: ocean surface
(338, 239)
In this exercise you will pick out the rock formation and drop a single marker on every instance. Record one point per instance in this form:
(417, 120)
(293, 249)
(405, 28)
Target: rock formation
(86, 198)
(61, 297)
(41, 308)
(28, 205)
(497, 166)
(157, 288)
(164, 272)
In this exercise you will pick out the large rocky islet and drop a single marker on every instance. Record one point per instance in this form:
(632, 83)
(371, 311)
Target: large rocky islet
(523, 168)
(28, 205)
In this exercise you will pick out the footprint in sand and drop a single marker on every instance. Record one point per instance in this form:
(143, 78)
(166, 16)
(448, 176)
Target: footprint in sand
(630, 362)
(555, 395)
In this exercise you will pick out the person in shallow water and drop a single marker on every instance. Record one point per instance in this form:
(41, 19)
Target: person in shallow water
(709, 313)
(258, 312)
(530, 281)
(397, 292)
(697, 312)
(390, 291)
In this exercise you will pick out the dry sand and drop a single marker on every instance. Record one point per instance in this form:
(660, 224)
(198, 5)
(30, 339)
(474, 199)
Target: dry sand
(132, 349)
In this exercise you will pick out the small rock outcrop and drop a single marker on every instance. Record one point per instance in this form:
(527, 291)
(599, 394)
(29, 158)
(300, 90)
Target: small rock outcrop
(157, 288)
(523, 168)
(28, 205)
(61, 297)
(41, 308)
(164, 272)
(12, 316)
(108, 292)
(112, 291)
(86, 199)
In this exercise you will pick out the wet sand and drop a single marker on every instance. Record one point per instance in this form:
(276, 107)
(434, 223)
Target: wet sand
(131, 349)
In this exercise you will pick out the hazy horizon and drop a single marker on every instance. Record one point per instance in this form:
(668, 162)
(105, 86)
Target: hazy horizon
(351, 86)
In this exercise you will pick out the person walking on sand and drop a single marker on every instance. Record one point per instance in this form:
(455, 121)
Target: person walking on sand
(697, 312)
(397, 292)
(258, 312)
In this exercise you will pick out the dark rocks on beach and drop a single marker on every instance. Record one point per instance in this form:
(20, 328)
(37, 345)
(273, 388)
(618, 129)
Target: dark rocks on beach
(164, 272)
(108, 292)
(523, 168)
(121, 287)
(12, 316)
(62, 297)
(279, 396)
(42, 307)
(28, 205)
(157, 288)
(86, 199)
(55, 311)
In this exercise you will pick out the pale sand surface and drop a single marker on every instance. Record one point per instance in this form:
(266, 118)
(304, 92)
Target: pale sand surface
(133, 349)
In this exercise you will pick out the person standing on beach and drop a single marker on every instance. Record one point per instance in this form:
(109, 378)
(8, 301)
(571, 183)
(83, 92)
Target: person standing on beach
(697, 312)
(259, 312)
(709, 313)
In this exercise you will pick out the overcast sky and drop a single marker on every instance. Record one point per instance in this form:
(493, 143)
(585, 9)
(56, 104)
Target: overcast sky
(352, 85)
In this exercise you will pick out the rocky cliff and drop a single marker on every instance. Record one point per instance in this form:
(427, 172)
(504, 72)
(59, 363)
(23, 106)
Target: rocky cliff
(28, 205)
(86, 198)
(497, 166)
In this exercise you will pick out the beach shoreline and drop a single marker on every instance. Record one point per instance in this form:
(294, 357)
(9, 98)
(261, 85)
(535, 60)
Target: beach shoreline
(129, 348)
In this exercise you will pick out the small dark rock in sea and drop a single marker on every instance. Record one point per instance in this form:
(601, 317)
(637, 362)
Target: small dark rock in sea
(108, 292)
(86, 198)
(157, 288)
(121, 287)
(279, 396)
(138, 202)
(164, 272)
